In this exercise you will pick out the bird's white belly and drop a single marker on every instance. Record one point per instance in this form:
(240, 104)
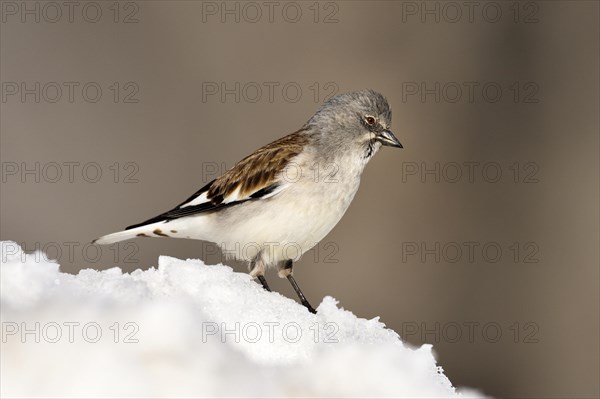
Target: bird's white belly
(282, 227)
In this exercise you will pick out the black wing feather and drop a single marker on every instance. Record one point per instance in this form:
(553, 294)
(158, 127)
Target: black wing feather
(209, 206)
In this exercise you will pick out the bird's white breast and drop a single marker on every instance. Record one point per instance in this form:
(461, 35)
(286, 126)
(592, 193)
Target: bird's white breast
(290, 223)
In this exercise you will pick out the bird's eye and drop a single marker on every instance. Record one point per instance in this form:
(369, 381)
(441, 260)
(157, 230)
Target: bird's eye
(370, 120)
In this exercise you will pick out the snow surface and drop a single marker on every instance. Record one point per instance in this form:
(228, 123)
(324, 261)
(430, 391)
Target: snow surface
(186, 329)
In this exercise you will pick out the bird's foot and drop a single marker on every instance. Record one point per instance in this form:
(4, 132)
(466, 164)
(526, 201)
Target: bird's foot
(310, 308)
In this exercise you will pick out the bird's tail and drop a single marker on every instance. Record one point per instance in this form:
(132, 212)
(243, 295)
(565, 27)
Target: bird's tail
(149, 230)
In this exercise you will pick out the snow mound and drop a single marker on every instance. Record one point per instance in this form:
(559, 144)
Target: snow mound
(186, 329)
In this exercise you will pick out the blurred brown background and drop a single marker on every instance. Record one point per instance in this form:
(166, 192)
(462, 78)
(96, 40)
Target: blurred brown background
(476, 90)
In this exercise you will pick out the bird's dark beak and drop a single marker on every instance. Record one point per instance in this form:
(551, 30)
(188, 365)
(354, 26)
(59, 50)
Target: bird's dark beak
(386, 137)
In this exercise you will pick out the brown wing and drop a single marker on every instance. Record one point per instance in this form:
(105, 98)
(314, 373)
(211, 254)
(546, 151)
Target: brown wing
(251, 178)
(258, 170)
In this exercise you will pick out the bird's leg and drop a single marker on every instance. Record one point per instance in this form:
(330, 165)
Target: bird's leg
(263, 281)
(300, 294)
(257, 269)
(285, 270)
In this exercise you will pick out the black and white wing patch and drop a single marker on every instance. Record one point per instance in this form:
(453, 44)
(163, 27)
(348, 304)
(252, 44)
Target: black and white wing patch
(256, 177)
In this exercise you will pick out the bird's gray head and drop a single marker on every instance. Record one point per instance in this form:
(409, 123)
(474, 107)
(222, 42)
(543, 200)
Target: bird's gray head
(359, 120)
